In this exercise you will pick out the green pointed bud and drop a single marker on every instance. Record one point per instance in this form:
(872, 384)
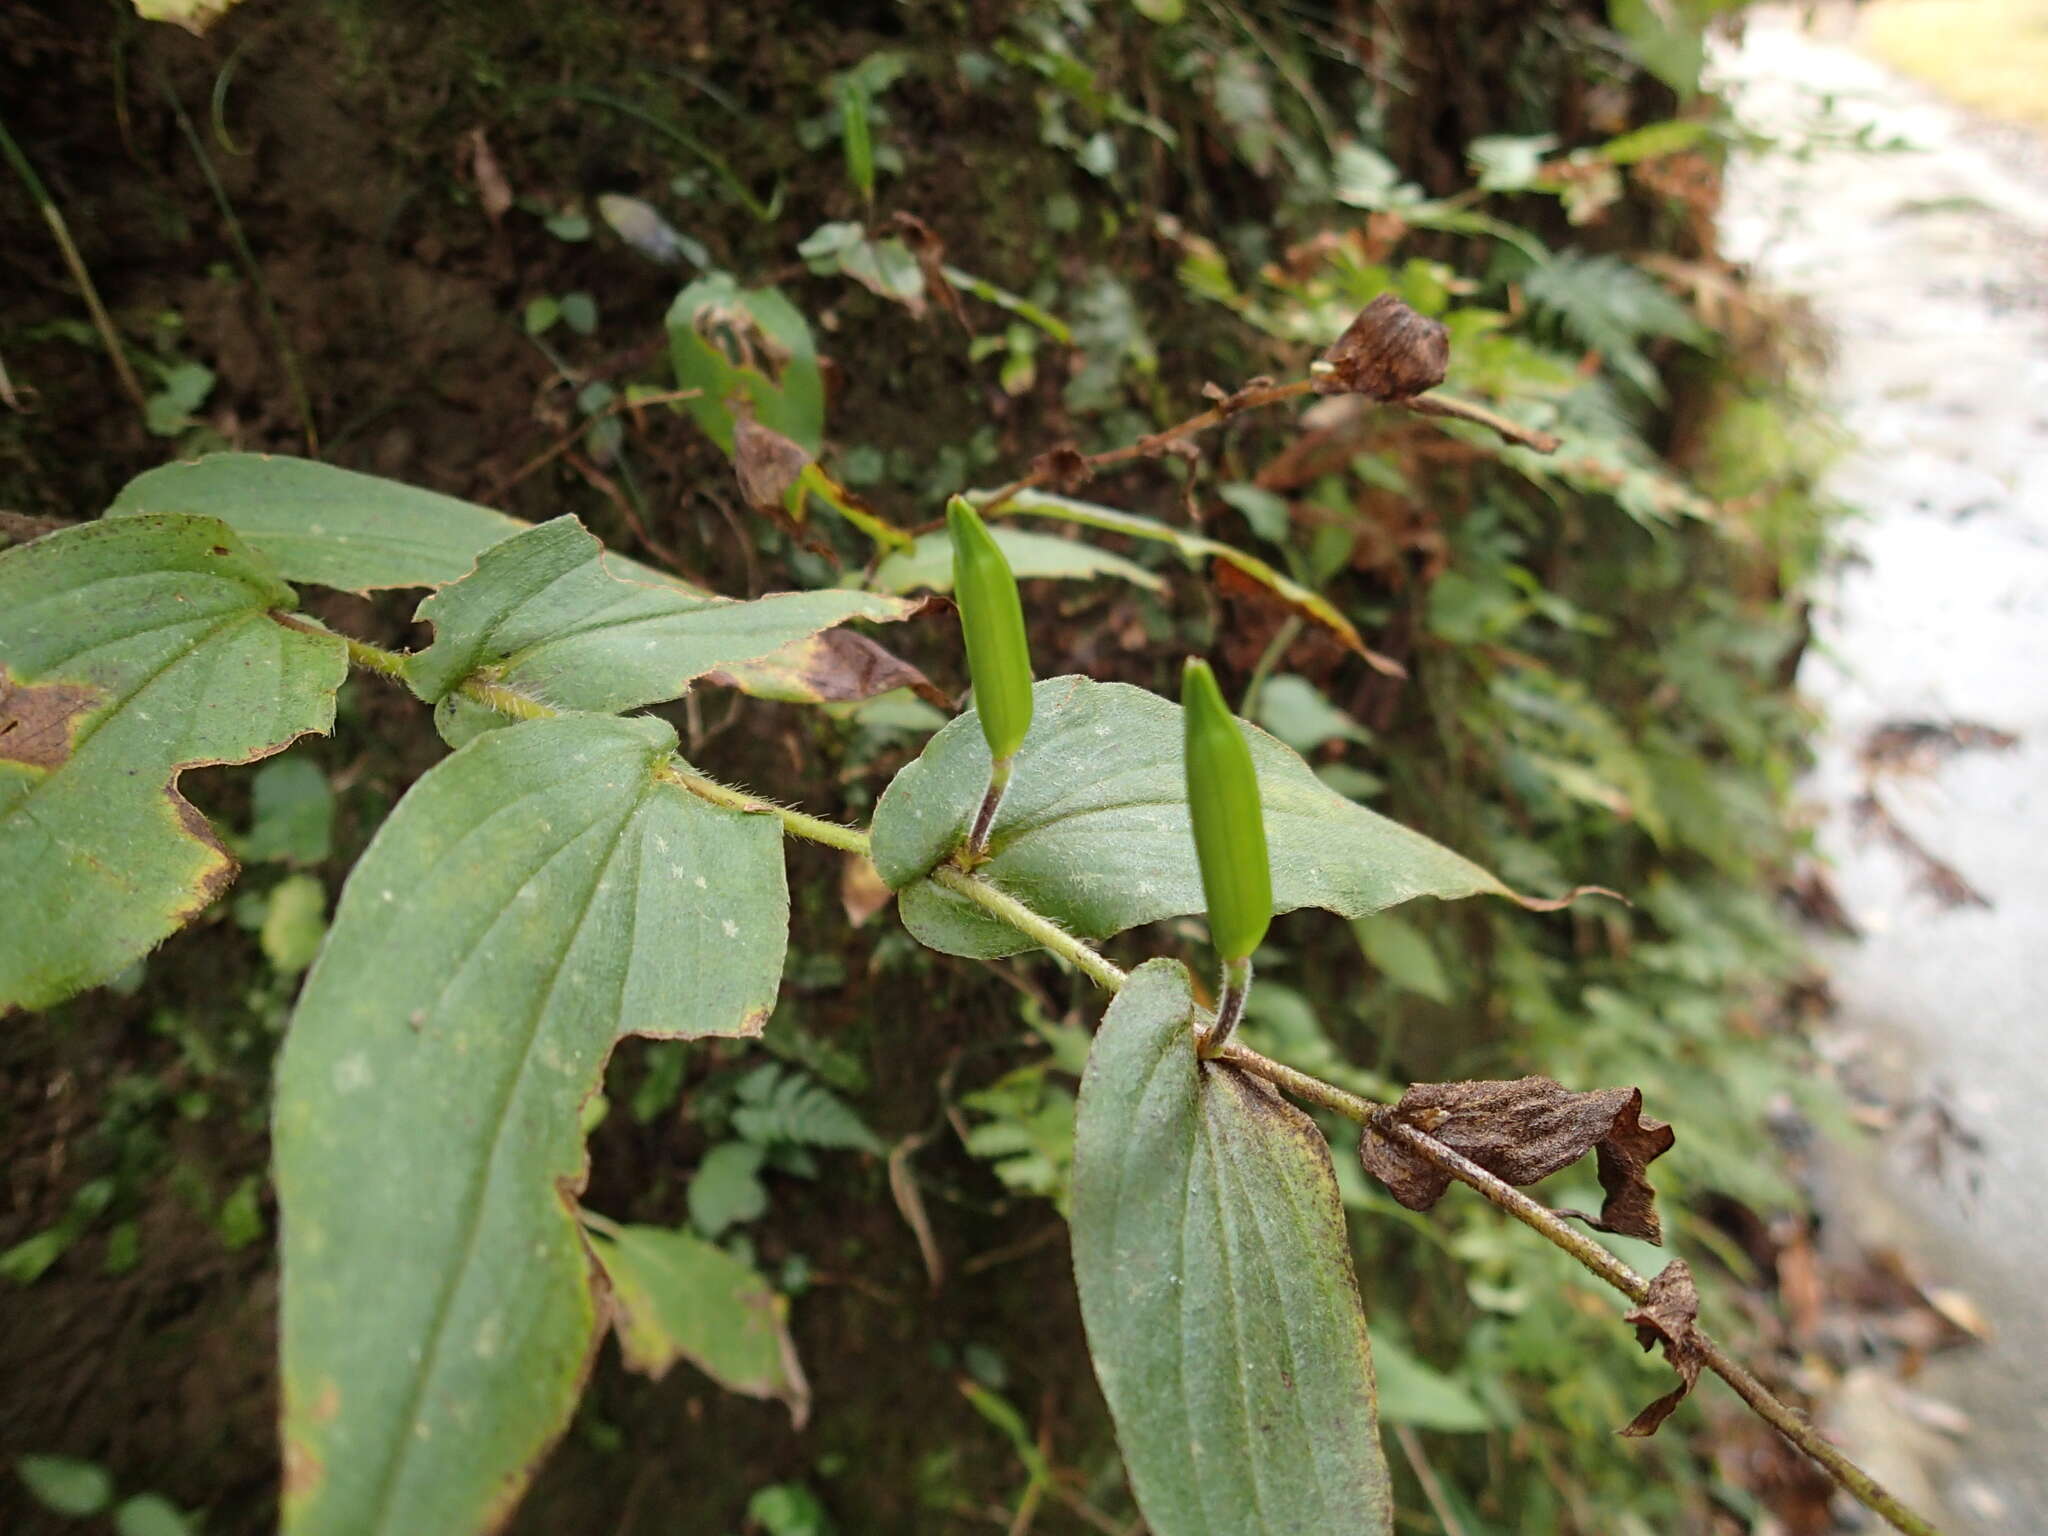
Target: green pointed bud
(992, 622)
(1230, 824)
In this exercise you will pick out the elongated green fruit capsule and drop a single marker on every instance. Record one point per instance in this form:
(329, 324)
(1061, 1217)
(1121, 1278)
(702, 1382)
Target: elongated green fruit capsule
(992, 622)
(1230, 825)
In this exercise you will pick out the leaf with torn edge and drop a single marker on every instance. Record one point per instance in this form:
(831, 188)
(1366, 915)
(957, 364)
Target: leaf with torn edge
(535, 897)
(1668, 1316)
(1195, 548)
(543, 616)
(1524, 1131)
(677, 1297)
(1094, 831)
(130, 651)
(1216, 1285)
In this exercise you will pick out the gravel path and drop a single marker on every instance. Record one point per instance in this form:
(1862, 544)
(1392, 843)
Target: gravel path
(1930, 267)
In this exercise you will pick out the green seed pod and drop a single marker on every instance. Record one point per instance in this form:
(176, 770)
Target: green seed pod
(992, 622)
(1230, 825)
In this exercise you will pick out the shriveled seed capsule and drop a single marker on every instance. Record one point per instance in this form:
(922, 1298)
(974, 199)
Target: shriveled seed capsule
(1230, 825)
(992, 622)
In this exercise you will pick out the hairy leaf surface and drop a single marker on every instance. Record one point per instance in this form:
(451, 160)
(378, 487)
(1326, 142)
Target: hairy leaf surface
(534, 898)
(544, 616)
(129, 652)
(677, 1297)
(1094, 831)
(1216, 1286)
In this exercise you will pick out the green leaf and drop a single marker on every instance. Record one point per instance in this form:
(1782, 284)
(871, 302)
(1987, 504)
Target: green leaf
(788, 1509)
(579, 311)
(1294, 710)
(677, 1297)
(785, 1106)
(294, 923)
(930, 562)
(1402, 953)
(66, 1484)
(1509, 162)
(327, 526)
(1216, 1286)
(150, 1514)
(130, 651)
(291, 816)
(535, 897)
(1094, 831)
(1413, 1392)
(544, 616)
(726, 1190)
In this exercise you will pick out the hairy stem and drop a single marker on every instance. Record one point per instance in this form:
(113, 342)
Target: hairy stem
(1043, 930)
(812, 828)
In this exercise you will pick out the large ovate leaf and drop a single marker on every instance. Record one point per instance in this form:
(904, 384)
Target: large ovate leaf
(1216, 1285)
(324, 525)
(1094, 830)
(535, 897)
(129, 652)
(676, 1297)
(929, 562)
(543, 615)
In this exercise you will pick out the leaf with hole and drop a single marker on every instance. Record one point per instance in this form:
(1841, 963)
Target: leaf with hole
(725, 340)
(1094, 832)
(534, 898)
(130, 651)
(1216, 1285)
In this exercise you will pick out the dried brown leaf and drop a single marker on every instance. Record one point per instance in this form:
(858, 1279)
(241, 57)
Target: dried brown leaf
(862, 891)
(767, 463)
(493, 191)
(1524, 1131)
(1667, 1316)
(1063, 466)
(930, 252)
(1388, 353)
